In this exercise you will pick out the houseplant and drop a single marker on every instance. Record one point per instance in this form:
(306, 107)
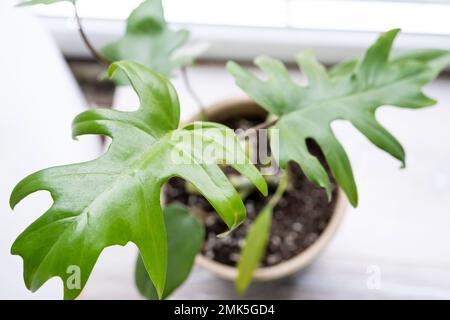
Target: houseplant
(90, 198)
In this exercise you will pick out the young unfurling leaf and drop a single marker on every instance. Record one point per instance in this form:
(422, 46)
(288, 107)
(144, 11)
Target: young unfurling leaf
(257, 238)
(351, 91)
(115, 199)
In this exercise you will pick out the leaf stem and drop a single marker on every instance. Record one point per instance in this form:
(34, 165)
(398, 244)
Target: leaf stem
(264, 125)
(100, 58)
(282, 187)
(187, 84)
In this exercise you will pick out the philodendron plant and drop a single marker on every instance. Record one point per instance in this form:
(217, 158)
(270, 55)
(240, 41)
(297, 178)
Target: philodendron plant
(115, 199)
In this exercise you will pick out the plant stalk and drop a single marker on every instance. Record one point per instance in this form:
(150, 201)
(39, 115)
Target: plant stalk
(264, 125)
(282, 187)
(100, 58)
(187, 84)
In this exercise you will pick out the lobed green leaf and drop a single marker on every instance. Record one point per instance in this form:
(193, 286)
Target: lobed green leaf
(115, 199)
(352, 91)
(149, 41)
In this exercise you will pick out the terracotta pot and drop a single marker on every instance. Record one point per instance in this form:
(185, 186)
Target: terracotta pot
(244, 107)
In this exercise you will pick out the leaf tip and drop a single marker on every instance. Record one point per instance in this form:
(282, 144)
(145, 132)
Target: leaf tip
(12, 202)
(15, 196)
(392, 33)
(160, 291)
(261, 59)
(261, 185)
(264, 189)
(74, 133)
(113, 68)
(324, 182)
(353, 200)
(431, 102)
(231, 66)
(14, 250)
(308, 53)
(25, 4)
(401, 156)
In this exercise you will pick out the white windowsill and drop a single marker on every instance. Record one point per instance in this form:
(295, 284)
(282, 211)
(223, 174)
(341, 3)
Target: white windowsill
(245, 29)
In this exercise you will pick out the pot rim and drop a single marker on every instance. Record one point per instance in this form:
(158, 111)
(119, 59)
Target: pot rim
(294, 264)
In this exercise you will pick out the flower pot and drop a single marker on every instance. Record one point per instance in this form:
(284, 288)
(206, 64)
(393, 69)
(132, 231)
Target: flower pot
(241, 108)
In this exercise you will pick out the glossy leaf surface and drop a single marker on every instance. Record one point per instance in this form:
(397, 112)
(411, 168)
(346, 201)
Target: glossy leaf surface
(115, 199)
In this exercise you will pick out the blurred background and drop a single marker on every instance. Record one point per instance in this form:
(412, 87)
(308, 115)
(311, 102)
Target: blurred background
(399, 234)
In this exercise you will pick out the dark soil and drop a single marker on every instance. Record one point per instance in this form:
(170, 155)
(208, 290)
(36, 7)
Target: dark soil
(298, 219)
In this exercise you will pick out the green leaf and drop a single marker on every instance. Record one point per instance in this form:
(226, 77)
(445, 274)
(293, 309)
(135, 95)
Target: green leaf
(149, 41)
(185, 237)
(257, 238)
(115, 199)
(352, 91)
(34, 2)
